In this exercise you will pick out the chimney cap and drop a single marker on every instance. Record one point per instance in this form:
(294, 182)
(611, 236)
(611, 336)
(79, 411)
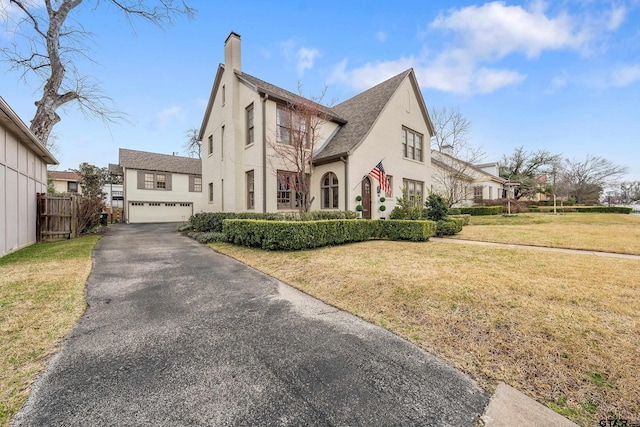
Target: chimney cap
(232, 33)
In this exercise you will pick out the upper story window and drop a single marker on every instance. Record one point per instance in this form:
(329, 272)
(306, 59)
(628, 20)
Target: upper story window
(195, 184)
(412, 144)
(224, 94)
(249, 120)
(290, 127)
(210, 144)
(154, 181)
(329, 191)
(222, 142)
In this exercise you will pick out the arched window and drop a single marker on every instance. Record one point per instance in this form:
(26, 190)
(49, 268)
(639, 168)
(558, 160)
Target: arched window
(329, 190)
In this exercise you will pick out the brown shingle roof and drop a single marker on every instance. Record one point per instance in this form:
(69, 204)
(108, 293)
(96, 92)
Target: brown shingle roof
(144, 160)
(284, 95)
(64, 175)
(361, 112)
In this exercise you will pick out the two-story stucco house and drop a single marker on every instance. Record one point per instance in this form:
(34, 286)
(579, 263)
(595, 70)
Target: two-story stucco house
(463, 183)
(159, 187)
(23, 174)
(242, 171)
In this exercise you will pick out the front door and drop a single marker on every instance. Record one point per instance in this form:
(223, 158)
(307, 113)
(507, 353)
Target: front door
(366, 198)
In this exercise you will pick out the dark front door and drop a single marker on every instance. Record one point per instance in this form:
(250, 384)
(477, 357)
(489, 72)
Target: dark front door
(366, 198)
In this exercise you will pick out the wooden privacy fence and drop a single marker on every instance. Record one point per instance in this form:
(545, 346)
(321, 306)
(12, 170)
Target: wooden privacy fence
(57, 217)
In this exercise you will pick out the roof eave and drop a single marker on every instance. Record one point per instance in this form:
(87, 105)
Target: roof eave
(214, 90)
(20, 128)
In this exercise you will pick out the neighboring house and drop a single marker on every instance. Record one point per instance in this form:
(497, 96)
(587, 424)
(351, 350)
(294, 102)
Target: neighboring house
(23, 173)
(159, 187)
(465, 184)
(113, 195)
(65, 181)
(244, 119)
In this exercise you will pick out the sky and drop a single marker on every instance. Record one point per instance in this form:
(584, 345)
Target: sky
(560, 75)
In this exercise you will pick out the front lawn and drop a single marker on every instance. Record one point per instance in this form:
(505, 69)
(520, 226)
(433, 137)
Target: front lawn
(591, 231)
(41, 297)
(562, 328)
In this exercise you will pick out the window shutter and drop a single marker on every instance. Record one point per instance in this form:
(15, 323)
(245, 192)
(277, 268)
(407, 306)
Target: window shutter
(140, 180)
(168, 185)
(191, 183)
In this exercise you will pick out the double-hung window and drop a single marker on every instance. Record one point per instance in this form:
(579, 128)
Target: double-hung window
(249, 120)
(412, 144)
(415, 191)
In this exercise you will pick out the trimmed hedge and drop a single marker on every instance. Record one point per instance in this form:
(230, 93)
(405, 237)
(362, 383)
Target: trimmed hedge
(465, 218)
(296, 235)
(212, 221)
(603, 209)
(449, 226)
(481, 210)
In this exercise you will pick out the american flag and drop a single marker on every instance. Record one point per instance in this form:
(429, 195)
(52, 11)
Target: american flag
(378, 173)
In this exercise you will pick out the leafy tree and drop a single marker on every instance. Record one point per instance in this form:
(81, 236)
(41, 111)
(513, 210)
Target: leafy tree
(51, 187)
(527, 167)
(48, 42)
(92, 179)
(586, 178)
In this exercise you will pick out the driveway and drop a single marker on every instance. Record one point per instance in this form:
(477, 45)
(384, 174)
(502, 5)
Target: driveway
(178, 335)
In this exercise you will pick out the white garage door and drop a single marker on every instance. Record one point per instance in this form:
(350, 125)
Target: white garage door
(159, 212)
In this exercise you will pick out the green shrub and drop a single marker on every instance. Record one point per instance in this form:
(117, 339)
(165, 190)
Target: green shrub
(212, 221)
(187, 226)
(435, 208)
(465, 218)
(296, 235)
(449, 226)
(603, 209)
(416, 231)
(481, 210)
(454, 211)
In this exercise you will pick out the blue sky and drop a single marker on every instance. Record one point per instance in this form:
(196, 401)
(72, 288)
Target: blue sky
(561, 75)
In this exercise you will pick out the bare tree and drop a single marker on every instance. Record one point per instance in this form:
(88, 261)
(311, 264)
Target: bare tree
(48, 42)
(587, 178)
(527, 167)
(297, 133)
(453, 155)
(193, 146)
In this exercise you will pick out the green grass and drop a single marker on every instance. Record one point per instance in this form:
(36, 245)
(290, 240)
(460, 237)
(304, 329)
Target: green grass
(42, 294)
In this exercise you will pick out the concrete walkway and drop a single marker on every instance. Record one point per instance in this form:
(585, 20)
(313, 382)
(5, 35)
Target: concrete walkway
(178, 335)
(537, 248)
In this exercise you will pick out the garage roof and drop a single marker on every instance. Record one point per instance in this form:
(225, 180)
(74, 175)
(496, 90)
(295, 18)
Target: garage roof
(143, 160)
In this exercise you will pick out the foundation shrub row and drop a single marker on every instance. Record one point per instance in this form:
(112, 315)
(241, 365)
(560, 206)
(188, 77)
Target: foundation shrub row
(296, 235)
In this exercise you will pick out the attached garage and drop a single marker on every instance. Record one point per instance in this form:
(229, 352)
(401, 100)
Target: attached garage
(159, 211)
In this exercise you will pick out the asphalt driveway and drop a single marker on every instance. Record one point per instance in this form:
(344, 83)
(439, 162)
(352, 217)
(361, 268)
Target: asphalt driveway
(178, 335)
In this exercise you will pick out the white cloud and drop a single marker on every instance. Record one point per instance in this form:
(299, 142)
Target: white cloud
(625, 75)
(306, 56)
(494, 30)
(557, 83)
(616, 18)
(482, 36)
(166, 116)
